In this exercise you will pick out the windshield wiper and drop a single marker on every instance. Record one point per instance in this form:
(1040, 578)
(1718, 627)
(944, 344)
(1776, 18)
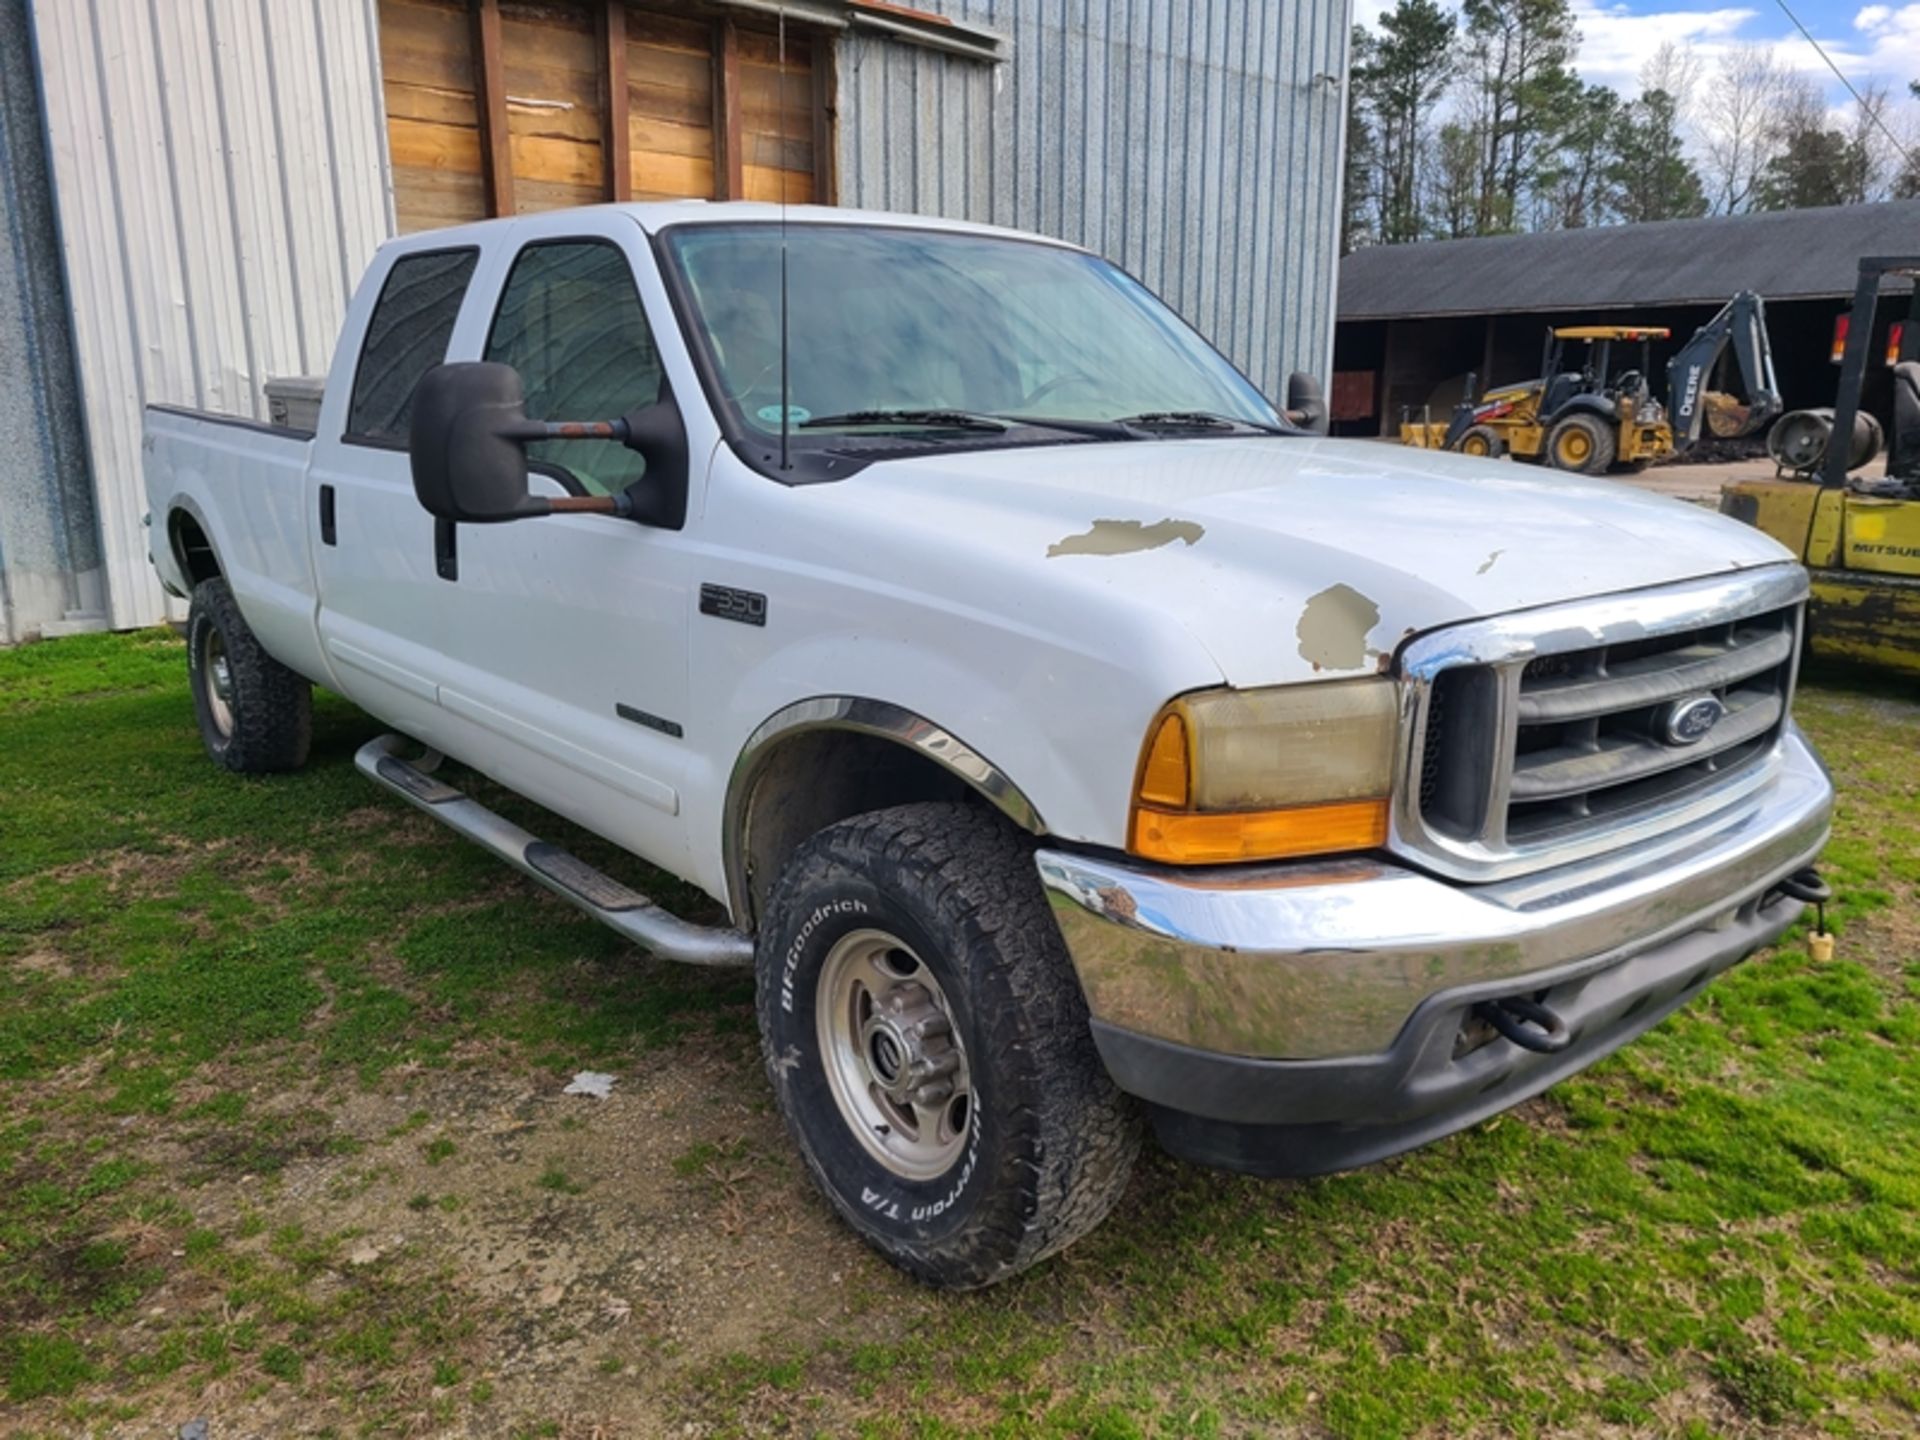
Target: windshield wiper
(1194, 420)
(930, 419)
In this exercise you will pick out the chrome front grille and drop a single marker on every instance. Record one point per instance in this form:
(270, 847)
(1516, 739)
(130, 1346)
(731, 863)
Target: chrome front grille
(1554, 734)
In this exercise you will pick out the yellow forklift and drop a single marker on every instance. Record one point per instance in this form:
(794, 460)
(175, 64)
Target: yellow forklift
(1859, 536)
(1584, 418)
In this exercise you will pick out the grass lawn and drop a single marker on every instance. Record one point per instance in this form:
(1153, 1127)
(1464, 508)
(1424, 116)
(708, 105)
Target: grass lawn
(283, 1146)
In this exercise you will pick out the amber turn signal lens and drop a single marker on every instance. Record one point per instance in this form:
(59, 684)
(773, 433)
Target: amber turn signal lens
(1163, 771)
(1196, 839)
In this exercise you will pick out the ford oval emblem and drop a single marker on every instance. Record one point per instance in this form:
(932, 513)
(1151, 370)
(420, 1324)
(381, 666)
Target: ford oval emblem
(1688, 720)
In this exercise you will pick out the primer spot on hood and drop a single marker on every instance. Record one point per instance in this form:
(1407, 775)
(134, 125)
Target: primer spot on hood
(1124, 537)
(1333, 628)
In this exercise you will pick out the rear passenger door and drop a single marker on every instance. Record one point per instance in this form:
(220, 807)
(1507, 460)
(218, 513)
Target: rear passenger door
(565, 647)
(382, 610)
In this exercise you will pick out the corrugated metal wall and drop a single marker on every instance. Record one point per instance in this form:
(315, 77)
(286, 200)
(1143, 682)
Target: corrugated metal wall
(1196, 144)
(50, 576)
(220, 173)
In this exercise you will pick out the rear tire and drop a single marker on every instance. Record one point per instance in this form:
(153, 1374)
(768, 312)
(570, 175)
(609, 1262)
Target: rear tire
(256, 715)
(927, 1042)
(1581, 445)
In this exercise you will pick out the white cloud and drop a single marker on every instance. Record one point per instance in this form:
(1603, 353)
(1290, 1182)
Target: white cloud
(1873, 17)
(1615, 45)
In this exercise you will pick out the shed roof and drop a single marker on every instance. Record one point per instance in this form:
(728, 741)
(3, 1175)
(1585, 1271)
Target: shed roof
(1783, 254)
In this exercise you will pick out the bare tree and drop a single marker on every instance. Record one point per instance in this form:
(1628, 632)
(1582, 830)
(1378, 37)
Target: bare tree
(1738, 122)
(1876, 157)
(1674, 70)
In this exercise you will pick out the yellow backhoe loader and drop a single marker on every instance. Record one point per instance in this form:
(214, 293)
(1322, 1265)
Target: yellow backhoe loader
(1584, 417)
(1859, 536)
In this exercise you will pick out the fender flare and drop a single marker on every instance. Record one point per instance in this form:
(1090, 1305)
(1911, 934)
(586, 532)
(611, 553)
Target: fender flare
(1583, 405)
(861, 716)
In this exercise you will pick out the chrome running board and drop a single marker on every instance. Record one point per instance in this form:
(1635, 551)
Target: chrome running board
(572, 879)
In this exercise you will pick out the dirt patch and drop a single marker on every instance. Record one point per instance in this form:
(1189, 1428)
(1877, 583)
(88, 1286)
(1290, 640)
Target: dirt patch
(47, 963)
(601, 1250)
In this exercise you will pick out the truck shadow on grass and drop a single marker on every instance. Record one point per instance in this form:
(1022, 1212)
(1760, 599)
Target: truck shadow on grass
(284, 1145)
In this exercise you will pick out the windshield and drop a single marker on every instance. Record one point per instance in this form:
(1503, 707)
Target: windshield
(904, 329)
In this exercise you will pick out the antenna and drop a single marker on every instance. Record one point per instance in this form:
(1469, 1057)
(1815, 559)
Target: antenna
(786, 408)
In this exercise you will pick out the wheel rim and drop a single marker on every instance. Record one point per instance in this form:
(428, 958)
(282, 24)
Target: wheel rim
(1575, 447)
(217, 680)
(894, 1059)
(1474, 445)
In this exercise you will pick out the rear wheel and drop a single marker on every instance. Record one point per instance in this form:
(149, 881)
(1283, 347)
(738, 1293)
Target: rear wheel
(256, 715)
(928, 1046)
(1482, 440)
(1582, 444)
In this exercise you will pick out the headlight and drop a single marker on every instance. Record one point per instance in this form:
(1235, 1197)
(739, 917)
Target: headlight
(1263, 774)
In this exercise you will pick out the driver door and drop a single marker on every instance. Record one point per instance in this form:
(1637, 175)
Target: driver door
(566, 638)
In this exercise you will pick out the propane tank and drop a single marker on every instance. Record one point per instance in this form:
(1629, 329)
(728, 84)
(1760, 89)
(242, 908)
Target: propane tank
(1798, 441)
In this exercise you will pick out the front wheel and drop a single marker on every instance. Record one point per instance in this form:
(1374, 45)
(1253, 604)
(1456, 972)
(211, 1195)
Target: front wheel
(927, 1042)
(1484, 441)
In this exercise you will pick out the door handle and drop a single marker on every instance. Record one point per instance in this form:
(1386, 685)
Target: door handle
(329, 535)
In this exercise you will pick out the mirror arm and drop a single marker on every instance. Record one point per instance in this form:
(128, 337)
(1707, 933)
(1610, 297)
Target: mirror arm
(615, 430)
(618, 505)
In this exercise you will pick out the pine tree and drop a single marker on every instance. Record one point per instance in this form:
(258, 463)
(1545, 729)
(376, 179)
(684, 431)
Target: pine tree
(1652, 177)
(1400, 76)
(1518, 58)
(1580, 165)
(1357, 184)
(1812, 164)
(1454, 185)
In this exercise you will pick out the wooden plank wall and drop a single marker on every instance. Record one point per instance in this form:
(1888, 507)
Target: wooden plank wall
(433, 119)
(707, 110)
(776, 117)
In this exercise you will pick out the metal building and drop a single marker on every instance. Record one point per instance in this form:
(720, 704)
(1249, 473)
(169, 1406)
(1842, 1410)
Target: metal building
(192, 190)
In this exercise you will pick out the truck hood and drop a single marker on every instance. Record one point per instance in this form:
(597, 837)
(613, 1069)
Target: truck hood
(1289, 558)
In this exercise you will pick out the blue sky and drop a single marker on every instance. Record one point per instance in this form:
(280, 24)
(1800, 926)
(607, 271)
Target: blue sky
(1867, 40)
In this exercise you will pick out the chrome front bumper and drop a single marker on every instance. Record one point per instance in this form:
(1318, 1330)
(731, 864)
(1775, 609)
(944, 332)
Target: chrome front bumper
(1304, 962)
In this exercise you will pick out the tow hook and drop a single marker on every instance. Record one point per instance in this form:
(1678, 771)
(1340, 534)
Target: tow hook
(1527, 1023)
(1807, 887)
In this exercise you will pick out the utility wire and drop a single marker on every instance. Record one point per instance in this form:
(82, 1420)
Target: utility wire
(1872, 114)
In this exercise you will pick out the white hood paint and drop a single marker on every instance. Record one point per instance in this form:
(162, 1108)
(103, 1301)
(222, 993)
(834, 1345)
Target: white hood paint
(1291, 558)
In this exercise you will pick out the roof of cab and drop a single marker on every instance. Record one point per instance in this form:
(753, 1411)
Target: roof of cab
(653, 216)
(1613, 332)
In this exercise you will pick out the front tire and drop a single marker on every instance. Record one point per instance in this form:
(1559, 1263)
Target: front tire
(256, 715)
(1484, 441)
(927, 1042)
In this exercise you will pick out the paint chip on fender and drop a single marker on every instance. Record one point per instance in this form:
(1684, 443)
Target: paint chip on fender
(1125, 537)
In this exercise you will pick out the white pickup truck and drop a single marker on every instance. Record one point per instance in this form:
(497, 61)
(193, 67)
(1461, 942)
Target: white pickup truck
(1072, 735)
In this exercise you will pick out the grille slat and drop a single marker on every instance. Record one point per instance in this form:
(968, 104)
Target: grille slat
(1647, 681)
(1561, 772)
(1572, 745)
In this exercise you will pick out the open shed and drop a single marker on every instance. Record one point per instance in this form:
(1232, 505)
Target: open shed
(1414, 321)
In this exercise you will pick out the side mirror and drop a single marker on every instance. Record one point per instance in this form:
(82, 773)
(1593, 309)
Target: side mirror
(468, 444)
(1306, 402)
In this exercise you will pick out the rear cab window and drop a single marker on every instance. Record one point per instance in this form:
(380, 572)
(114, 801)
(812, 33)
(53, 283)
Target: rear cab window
(407, 336)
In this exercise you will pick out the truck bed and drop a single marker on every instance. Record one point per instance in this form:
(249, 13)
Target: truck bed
(243, 482)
